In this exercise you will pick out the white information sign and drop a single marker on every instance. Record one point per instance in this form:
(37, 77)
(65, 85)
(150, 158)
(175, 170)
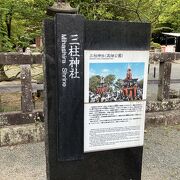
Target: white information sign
(115, 99)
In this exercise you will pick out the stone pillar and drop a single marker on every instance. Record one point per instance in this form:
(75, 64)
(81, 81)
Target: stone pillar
(26, 87)
(165, 78)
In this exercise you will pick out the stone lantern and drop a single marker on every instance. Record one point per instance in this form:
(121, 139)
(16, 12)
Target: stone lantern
(61, 6)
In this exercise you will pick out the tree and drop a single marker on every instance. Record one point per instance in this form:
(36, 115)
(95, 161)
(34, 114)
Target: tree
(129, 10)
(156, 12)
(20, 23)
(27, 16)
(171, 15)
(109, 79)
(94, 82)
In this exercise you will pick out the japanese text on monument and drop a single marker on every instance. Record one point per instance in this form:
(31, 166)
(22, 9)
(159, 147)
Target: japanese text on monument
(70, 58)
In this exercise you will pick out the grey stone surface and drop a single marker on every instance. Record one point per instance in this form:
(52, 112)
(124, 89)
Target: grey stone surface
(19, 118)
(167, 105)
(27, 133)
(34, 132)
(160, 160)
(26, 89)
(152, 89)
(166, 117)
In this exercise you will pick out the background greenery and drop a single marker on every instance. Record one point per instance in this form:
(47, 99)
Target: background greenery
(21, 20)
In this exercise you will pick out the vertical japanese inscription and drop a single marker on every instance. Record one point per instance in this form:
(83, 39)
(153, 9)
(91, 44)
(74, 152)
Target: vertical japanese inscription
(74, 53)
(70, 50)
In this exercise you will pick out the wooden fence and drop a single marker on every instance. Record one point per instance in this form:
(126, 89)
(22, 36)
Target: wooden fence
(29, 115)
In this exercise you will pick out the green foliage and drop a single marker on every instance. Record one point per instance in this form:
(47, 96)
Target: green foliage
(159, 30)
(162, 14)
(21, 20)
(155, 45)
(128, 10)
(6, 44)
(171, 14)
(109, 79)
(94, 81)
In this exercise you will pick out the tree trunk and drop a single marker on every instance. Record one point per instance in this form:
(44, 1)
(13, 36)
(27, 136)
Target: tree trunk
(9, 30)
(8, 24)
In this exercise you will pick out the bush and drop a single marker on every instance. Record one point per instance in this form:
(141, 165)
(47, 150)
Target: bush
(155, 45)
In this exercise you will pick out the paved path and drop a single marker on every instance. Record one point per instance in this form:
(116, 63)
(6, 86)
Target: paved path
(161, 157)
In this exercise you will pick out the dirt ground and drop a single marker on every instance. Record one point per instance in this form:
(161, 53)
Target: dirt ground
(12, 102)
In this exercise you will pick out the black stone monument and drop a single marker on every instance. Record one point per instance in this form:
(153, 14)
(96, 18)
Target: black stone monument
(66, 37)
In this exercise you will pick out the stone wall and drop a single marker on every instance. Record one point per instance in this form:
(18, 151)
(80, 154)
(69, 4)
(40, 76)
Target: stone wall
(17, 134)
(166, 105)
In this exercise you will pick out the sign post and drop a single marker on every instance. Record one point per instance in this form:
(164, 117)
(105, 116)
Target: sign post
(96, 80)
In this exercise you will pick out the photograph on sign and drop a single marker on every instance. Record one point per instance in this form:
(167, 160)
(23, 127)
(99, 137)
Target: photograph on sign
(114, 101)
(115, 82)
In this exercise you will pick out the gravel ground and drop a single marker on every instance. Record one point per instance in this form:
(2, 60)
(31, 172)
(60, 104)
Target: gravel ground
(161, 160)
(23, 162)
